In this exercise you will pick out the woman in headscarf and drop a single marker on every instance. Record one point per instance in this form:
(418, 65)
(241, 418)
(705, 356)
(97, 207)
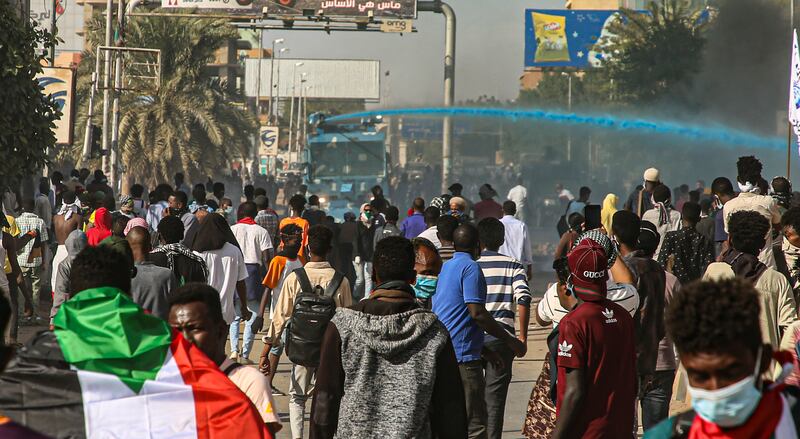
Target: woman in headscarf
(217, 245)
(102, 227)
(608, 211)
(75, 243)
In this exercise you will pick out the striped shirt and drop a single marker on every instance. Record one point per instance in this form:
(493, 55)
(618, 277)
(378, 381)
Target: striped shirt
(447, 252)
(506, 287)
(624, 295)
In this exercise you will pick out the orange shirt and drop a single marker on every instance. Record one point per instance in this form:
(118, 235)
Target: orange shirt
(299, 222)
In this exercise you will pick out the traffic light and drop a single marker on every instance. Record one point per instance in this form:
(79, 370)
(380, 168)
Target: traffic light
(97, 135)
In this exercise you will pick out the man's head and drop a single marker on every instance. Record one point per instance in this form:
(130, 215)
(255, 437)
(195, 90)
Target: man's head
(509, 208)
(199, 193)
(118, 226)
(126, 204)
(456, 189)
(588, 268)
(101, 266)
(170, 230)
(791, 226)
(781, 185)
(487, 192)
(427, 260)
(458, 203)
(662, 194)
(139, 240)
(722, 188)
(291, 238)
(418, 205)
(748, 170)
(262, 202)
(44, 186)
(705, 206)
(715, 328)
(28, 205)
(491, 233)
(249, 192)
(195, 312)
(431, 214)
(648, 239)
(56, 177)
(445, 227)
(392, 214)
(313, 200)
(584, 193)
(625, 227)
(297, 203)
(690, 213)
(465, 239)
(225, 204)
(248, 209)
(84, 173)
(68, 197)
(747, 231)
(700, 185)
(218, 189)
(178, 200)
(394, 260)
(137, 191)
(652, 178)
(319, 240)
(99, 177)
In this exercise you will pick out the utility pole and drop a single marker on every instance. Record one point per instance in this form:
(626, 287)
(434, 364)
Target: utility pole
(449, 79)
(569, 108)
(117, 91)
(271, 71)
(54, 31)
(106, 85)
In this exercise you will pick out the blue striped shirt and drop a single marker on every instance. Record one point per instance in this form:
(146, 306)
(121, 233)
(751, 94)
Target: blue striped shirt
(506, 287)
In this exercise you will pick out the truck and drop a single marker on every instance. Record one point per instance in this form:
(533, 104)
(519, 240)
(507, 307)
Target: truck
(343, 161)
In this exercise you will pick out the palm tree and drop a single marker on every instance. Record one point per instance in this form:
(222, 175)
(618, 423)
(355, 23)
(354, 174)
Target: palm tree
(190, 122)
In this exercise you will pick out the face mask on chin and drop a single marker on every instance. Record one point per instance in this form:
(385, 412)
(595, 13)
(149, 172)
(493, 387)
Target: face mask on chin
(729, 406)
(425, 286)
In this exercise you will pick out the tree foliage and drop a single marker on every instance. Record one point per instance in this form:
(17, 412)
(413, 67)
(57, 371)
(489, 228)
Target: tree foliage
(26, 115)
(190, 122)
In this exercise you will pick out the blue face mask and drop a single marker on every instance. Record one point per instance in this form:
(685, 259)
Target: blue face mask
(425, 286)
(729, 406)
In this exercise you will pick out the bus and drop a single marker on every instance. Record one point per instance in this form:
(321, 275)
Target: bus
(343, 161)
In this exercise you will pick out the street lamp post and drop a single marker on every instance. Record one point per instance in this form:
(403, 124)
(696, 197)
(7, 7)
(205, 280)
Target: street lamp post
(300, 122)
(291, 106)
(569, 108)
(271, 71)
(278, 82)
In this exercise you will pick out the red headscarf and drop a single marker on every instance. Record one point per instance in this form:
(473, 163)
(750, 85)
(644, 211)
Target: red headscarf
(102, 227)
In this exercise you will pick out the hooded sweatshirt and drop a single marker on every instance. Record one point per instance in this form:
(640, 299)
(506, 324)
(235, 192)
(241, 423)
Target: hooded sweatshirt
(76, 241)
(102, 227)
(393, 364)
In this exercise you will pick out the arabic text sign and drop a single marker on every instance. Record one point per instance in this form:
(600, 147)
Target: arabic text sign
(268, 141)
(564, 38)
(345, 8)
(59, 85)
(231, 6)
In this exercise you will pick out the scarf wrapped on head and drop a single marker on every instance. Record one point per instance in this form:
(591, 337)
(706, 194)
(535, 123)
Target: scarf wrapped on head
(69, 209)
(748, 187)
(172, 250)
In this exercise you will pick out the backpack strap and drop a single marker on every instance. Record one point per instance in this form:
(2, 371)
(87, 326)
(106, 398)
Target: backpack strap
(231, 367)
(333, 286)
(682, 423)
(302, 277)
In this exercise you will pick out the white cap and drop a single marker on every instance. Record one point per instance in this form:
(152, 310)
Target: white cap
(652, 174)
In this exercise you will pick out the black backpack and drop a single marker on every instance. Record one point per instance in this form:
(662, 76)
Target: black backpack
(313, 308)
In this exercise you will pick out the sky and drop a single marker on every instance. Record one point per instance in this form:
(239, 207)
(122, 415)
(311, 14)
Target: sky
(490, 42)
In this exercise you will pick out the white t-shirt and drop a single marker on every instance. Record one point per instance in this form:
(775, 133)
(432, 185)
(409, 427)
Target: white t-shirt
(225, 268)
(624, 295)
(253, 240)
(430, 235)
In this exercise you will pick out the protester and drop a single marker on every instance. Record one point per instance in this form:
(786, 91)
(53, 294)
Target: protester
(218, 247)
(388, 229)
(179, 207)
(151, 286)
(196, 313)
(717, 331)
(319, 273)
(186, 266)
(706, 224)
(297, 204)
(751, 198)
(314, 215)
(578, 206)
(431, 215)
(445, 227)
(608, 210)
(456, 191)
(255, 243)
(156, 210)
(507, 294)
(427, 265)
(781, 192)
(458, 209)
(118, 226)
(67, 219)
(722, 189)
(362, 260)
(596, 355)
(30, 259)
(686, 253)
(267, 218)
(516, 242)
(415, 223)
(225, 210)
(487, 207)
(747, 231)
(75, 243)
(639, 201)
(372, 351)
(519, 195)
(459, 303)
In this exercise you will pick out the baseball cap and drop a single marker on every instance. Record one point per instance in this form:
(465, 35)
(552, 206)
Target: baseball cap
(652, 174)
(588, 267)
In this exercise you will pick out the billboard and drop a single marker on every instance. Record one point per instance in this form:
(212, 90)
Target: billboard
(345, 8)
(324, 78)
(565, 38)
(243, 7)
(268, 141)
(59, 84)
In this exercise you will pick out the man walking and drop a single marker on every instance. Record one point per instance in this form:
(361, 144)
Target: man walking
(507, 294)
(519, 195)
(67, 218)
(152, 284)
(460, 303)
(639, 201)
(415, 224)
(30, 259)
(686, 252)
(516, 243)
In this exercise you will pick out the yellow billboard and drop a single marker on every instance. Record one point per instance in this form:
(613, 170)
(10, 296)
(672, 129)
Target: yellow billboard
(551, 38)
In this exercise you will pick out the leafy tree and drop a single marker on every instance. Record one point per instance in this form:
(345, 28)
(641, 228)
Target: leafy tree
(189, 122)
(26, 115)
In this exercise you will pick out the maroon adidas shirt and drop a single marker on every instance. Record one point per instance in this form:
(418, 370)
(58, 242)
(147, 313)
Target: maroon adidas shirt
(598, 337)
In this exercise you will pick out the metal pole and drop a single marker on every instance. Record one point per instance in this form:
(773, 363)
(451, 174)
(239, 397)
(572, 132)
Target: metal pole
(569, 107)
(291, 114)
(258, 78)
(87, 135)
(106, 85)
(117, 91)
(53, 30)
(271, 84)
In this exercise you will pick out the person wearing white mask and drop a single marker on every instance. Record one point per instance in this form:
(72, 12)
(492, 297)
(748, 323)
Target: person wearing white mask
(715, 328)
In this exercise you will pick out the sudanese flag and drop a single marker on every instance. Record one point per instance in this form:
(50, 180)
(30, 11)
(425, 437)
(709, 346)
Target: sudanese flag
(111, 371)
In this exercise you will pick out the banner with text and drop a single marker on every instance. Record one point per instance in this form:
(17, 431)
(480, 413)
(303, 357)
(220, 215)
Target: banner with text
(345, 8)
(565, 38)
(243, 7)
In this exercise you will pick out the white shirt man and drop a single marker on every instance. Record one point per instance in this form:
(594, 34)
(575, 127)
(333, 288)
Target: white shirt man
(517, 243)
(254, 241)
(430, 235)
(225, 268)
(519, 195)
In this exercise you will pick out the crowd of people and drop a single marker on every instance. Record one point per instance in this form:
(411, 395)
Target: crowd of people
(399, 323)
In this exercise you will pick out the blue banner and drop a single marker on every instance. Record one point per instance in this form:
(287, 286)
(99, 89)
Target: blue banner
(563, 37)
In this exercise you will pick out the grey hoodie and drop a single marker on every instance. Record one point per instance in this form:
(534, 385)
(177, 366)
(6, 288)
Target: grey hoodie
(389, 365)
(76, 241)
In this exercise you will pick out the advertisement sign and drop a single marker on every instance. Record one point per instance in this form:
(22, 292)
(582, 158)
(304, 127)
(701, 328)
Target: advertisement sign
(244, 7)
(59, 84)
(565, 38)
(268, 141)
(325, 78)
(345, 8)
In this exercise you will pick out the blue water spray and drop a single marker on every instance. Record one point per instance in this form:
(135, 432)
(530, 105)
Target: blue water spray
(719, 134)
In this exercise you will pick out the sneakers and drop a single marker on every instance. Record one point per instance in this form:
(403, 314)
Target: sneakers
(275, 391)
(234, 356)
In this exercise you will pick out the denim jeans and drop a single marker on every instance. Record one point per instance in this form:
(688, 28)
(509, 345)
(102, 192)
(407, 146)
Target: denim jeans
(363, 285)
(655, 394)
(249, 335)
(474, 383)
(497, 382)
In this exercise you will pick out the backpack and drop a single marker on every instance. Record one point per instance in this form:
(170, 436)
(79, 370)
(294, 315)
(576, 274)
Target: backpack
(313, 308)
